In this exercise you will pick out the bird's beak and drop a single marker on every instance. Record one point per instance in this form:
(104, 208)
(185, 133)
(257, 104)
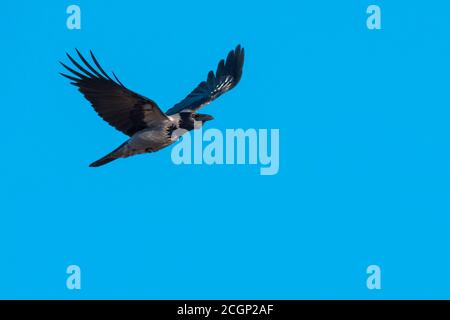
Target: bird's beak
(205, 117)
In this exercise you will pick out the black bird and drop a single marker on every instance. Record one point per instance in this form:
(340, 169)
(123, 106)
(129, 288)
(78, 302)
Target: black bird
(140, 118)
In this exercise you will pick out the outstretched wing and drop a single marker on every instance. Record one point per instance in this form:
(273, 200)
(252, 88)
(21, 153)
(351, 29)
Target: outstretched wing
(122, 108)
(227, 76)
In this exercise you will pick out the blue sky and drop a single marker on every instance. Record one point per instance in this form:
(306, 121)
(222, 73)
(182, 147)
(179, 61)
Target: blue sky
(364, 153)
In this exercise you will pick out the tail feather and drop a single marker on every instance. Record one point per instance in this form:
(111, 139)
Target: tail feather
(102, 161)
(116, 154)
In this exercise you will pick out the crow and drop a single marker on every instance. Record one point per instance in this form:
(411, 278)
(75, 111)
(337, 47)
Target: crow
(149, 128)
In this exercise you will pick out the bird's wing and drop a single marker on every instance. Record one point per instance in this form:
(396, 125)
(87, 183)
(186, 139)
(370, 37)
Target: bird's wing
(122, 108)
(227, 76)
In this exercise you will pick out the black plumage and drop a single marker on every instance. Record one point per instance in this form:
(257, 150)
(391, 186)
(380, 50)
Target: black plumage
(141, 118)
(227, 76)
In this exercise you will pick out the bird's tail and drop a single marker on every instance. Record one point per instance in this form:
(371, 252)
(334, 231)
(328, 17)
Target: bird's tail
(100, 162)
(116, 154)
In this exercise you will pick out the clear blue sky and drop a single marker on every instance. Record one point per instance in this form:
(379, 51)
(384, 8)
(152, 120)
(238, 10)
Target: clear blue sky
(364, 156)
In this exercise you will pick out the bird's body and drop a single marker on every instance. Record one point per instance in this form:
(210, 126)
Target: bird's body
(152, 139)
(144, 141)
(149, 128)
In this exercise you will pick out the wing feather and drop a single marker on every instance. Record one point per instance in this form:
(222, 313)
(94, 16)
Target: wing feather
(122, 108)
(227, 76)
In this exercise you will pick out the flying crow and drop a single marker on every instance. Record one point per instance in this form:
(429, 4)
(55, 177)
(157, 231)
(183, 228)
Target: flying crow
(149, 128)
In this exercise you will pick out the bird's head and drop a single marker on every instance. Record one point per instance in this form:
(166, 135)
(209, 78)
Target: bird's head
(190, 120)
